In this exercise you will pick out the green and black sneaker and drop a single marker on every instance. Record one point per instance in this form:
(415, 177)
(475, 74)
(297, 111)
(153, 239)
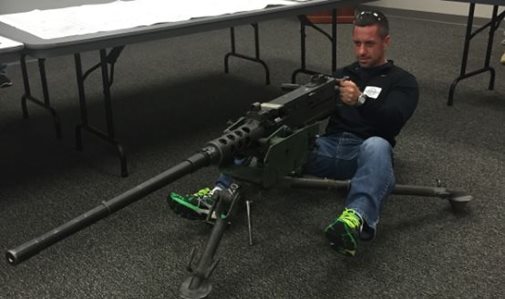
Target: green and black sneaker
(343, 233)
(192, 206)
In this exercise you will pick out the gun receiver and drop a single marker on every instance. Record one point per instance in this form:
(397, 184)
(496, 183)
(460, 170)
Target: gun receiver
(303, 106)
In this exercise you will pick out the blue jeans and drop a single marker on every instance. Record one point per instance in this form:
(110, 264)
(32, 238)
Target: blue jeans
(368, 163)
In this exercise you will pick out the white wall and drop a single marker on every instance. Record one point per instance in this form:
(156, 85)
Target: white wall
(436, 6)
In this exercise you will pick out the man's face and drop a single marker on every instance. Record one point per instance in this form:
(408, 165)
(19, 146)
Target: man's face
(369, 46)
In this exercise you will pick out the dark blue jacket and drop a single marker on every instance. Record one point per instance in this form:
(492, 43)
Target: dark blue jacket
(383, 116)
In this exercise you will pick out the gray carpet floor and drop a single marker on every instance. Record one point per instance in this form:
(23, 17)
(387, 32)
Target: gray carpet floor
(172, 99)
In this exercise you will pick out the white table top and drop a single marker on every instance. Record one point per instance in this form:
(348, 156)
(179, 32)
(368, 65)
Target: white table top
(9, 49)
(117, 15)
(8, 44)
(76, 41)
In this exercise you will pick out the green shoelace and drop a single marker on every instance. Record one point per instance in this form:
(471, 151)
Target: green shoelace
(351, 218)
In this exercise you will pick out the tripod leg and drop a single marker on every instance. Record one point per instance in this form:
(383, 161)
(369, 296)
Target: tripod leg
(249, 221)
(457, 199)
(197, 285)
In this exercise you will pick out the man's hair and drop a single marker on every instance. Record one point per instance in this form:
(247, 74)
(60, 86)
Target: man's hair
(372, 17)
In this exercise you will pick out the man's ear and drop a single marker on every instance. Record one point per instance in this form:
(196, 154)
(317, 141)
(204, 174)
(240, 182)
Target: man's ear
(387, 41)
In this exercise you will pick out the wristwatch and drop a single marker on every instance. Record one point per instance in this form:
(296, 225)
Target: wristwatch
(361, 99)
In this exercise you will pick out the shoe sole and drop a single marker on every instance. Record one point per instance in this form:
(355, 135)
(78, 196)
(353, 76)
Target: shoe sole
(341, 239)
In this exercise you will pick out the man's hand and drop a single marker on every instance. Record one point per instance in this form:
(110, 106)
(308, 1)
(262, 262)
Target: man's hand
(349, 92)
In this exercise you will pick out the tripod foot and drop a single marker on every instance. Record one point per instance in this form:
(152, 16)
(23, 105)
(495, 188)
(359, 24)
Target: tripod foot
(458, 201)
(188, 292)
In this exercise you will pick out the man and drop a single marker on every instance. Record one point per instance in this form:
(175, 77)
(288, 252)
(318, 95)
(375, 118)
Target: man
(376, 99)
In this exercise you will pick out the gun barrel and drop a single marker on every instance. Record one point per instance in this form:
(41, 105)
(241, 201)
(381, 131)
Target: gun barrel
(32, 247)
(298, 108)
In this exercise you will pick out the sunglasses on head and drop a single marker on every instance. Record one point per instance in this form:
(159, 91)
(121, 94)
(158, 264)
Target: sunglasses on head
(372, 14)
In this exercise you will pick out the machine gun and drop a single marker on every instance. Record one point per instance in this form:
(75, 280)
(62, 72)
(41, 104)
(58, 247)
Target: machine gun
(275, 137)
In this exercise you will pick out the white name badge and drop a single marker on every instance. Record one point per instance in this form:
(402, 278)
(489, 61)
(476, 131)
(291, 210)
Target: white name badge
(372, 91)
